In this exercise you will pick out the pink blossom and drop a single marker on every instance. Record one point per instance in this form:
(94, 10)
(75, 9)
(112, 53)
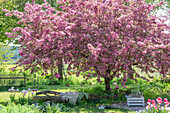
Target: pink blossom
(165, 100)
(151, 47)
(162, 46)
(169, 11)
(5, 10)
(131, 22)
(141, 44)
(99, 45)
(160, 3)
(62, 33)
(90, 47)
(128, 26)
(144, 52)
(113, 34)
(59, 2)
(159, 100)
(7, 33)
(156, 46)
(115, 83)
(68, 28)
(117, 87)
(57, 76)
(125, 86)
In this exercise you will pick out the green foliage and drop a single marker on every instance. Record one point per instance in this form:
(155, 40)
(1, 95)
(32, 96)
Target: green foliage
(96, 89)
(81, 95)
(13, 108)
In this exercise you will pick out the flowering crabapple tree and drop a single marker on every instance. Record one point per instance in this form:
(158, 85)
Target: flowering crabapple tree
(108, 38)
(41, 36)
(111, 37)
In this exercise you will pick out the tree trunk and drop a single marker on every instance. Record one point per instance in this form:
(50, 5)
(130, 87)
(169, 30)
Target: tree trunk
(52, 73)
(60, 69)
(107, 84)
(130, 75)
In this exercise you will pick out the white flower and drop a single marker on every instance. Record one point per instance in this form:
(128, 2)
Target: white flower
(101, 107)
(12, 88)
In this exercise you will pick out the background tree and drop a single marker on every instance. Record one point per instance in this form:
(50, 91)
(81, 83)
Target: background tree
(9, 22)
(41, 36)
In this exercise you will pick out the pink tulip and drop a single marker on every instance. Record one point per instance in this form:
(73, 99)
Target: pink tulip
(159, 100)
(168, 103)
(165, 100)
(153, 103)
(149, 100)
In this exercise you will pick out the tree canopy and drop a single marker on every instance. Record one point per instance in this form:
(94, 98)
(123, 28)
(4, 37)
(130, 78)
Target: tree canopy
(107, 37)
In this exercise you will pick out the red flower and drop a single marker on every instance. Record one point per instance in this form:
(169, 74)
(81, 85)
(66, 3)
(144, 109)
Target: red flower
(165, 100)
(159, 100)
(68, 85)
(168, 103)
(149, 100)
(153, 103)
